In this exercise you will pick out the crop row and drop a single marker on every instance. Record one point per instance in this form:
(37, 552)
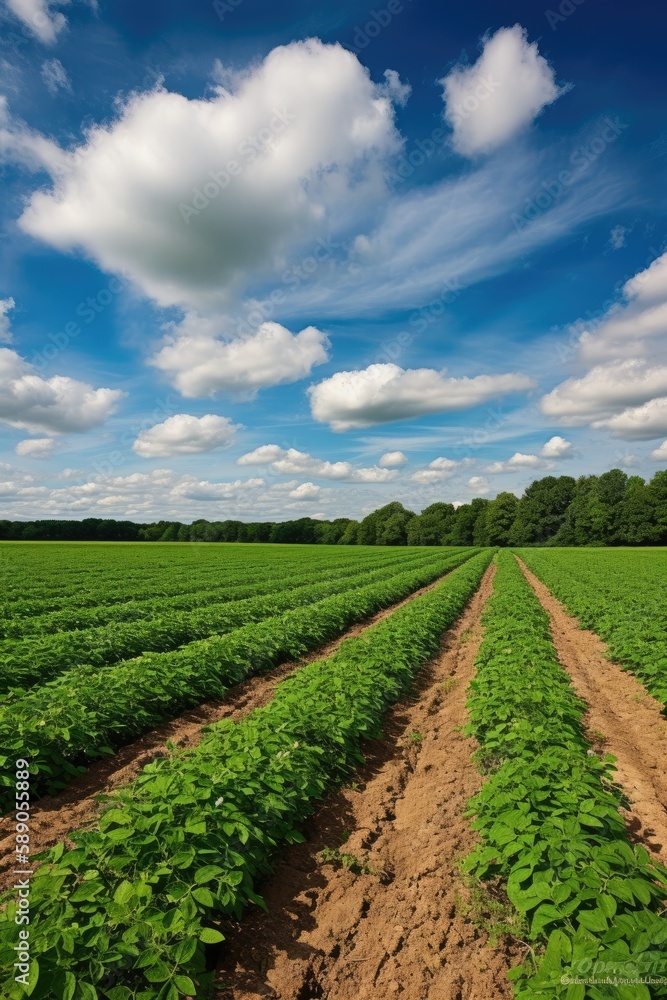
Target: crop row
(37, 659)
(621, 595)
(130, 910)
(251, 584)
(185, 571)
(86, 713)
(548, 814)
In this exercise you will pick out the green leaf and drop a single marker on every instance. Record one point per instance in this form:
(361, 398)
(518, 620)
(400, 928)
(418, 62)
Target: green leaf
(185, 985)
(207, 873)
(210, 936)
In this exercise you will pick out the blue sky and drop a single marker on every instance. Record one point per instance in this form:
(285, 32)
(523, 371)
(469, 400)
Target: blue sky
(267, 262)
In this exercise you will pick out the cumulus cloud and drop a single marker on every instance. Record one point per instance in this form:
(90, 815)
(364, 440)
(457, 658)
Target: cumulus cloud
(437, 471)
(660, 454)
(52, 406)
(556, 447)
(478, 484)
(200, 363)
(264, 455)
(55, 76)
(392, 460)
(635, 327)
(384, 392)
(638, 423)
(6, 305)
(306, 491)
(35, 448)
(190, 488)
(515, 463)
(188, 197)
(292, 462)
(40, 18)
(183, 434)
(604, 391)
(488, 103)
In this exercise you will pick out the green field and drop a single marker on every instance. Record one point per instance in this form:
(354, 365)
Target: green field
(101, 643)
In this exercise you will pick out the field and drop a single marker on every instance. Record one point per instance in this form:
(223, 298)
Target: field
(333, 771)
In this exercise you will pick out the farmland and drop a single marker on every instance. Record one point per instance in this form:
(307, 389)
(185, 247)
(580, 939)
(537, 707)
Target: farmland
(397, 748)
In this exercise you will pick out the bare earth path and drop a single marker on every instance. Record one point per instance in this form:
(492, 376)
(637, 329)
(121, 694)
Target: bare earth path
(628, 718)
(403, 924)
(77, 807)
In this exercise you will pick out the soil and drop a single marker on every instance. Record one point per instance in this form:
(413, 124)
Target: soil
(78, 806)
(622, 719)
(402, 920)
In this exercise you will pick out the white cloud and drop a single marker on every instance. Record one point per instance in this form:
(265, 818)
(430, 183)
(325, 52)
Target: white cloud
(40, 18)
(190, 197)
(306, 491)
(638, 423)
(385, 392)
(660, 454)
(617, 237)
(6, 305)
(438, 471)
(635, 327)
(53, 406)
(556, 447)
(392, 460)
(199, 363)
(292, 462)
(264, 455)
(478, 484)
(35, 448)
(604, 391)
(502, 93)
(516, 462)
(183, 434)
(55, 76)
(190, 488)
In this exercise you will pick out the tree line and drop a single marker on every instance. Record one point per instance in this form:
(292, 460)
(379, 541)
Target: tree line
(610, 509)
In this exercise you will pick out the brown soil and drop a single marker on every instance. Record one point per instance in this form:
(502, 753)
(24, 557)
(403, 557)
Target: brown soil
(622, 719)
(403, 922)
(78, 806)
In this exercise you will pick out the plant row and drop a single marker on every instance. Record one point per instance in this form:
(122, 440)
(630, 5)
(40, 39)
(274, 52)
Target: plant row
(129, 912)
(87, 713)
(548, 815)
(115, 581)
(37, 659)
(621, 595)
(253, 583)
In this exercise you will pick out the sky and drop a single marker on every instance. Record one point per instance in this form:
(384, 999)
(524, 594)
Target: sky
(267, 261)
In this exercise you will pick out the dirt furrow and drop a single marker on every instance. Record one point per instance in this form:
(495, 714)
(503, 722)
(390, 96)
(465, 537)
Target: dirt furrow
(390, 914)
(622, 718)
(78, 806)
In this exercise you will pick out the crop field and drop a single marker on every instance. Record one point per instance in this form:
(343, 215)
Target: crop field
(235, 771)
